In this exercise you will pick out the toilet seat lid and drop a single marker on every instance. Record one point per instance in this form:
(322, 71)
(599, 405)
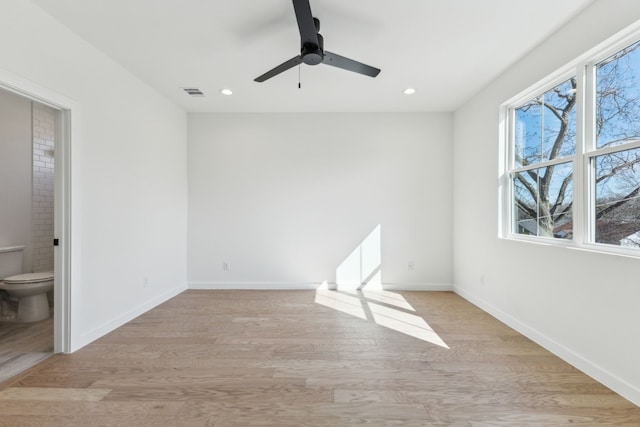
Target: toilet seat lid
(29, 278)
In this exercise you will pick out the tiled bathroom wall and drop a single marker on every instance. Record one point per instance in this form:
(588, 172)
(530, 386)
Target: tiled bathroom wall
(43, 187)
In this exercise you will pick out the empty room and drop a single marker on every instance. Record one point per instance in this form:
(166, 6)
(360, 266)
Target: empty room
(319, 213)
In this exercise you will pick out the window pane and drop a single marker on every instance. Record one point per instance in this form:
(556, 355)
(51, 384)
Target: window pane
(528, 137)
(560, 121)
(545, 126)
(543, 200)
(618, 98)
(617, 184)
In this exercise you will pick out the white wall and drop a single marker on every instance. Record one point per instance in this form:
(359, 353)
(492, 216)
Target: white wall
(128, 172)
(581, 305)
(285, 198)
(15, 173)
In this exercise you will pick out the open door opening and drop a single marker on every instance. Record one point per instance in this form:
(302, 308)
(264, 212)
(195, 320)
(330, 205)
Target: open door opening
(59, 160)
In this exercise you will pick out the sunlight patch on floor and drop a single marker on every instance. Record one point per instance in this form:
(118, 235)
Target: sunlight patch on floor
(406, 323)
(364, 305)
(341, 302)
(359, 292)
(388, 298)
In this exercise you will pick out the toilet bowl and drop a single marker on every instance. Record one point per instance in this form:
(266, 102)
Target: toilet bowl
(31, 291)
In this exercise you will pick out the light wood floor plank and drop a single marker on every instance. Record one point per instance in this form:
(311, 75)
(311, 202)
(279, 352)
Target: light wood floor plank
(53, 394)
(287, 358)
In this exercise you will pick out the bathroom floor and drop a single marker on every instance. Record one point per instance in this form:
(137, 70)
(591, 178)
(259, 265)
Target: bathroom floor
(23, 345)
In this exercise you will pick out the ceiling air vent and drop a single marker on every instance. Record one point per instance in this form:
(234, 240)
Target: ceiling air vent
(193, 91)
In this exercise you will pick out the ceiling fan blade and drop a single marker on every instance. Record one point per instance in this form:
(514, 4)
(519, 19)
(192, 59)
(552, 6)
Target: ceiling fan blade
(306, 25)
(279, 69)
(349, 64)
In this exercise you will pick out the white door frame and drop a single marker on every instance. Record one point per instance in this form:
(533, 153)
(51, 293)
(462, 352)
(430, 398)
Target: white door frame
(66, 129)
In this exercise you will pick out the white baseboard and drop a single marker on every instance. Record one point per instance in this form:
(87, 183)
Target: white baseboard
(620, 386)
(417, 287)
(118, 321)
(266, 286)
(313, 286)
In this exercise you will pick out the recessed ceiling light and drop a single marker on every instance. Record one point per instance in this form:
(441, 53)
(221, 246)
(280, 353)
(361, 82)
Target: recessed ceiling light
(227, 92)
(409, 91)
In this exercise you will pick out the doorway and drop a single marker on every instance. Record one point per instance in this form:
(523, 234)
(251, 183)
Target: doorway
(27, 186)
(62, 109)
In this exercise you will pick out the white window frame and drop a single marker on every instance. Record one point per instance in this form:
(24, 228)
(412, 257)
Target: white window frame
(583, 68)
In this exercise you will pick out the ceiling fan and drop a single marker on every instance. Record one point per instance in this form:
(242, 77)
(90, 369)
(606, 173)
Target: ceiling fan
(312, 48)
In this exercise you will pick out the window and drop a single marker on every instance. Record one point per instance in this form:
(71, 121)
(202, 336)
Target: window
(544, 150)
(580, 188)
(615, 162)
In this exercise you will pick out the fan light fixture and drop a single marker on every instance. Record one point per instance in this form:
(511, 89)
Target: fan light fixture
(226, 92)
(409, 91)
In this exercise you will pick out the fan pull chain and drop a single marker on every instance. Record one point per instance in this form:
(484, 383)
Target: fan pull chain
(299, 84)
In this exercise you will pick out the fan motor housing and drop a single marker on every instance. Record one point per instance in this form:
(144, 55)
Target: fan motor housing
(312, 54)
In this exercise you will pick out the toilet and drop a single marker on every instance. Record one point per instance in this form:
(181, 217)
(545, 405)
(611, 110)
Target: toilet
(30, 289)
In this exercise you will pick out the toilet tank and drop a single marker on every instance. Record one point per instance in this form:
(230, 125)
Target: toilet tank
(10, 261)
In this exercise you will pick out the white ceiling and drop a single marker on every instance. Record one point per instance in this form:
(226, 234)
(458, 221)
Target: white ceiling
(446, 49)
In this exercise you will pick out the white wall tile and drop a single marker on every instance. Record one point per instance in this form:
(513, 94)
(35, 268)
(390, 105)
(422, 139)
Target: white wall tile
(43, 187)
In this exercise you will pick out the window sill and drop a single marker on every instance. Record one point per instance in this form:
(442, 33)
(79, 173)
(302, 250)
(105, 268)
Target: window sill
(603, 249)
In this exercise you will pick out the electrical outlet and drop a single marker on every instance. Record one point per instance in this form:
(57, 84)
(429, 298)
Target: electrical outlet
(482, 279)
(410, 266)
(145, 282)
(226, 266)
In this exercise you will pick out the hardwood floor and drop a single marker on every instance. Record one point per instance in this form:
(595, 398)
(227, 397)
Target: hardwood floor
(23, 345)
(301, 358)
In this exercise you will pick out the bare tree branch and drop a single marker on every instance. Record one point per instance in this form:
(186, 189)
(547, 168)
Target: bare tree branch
(527, 185)
(617, 169)
(564, 121)
(529, 211)
(619, 203)
(562, 192)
